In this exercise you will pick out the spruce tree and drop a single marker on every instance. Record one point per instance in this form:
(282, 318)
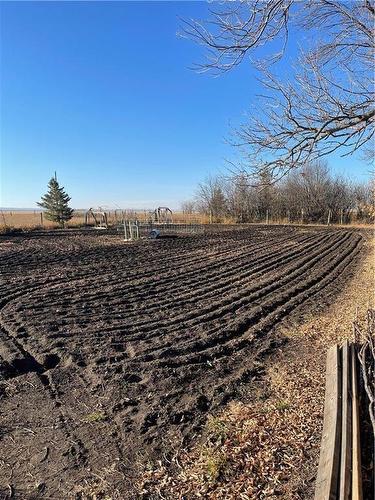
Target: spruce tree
(55, 203)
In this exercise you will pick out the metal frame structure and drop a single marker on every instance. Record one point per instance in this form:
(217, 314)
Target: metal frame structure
(99, 216)
(134, 230)
(131, 230)
(162, 215)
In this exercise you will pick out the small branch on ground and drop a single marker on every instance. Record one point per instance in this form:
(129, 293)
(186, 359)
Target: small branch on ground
(366, 358)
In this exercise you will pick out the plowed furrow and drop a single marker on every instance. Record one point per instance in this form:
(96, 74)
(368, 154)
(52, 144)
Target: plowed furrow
(253, 308)
(39, 307)
(123, 284)
(215, 284)
(263, 288)
(260, 319)
(229, 303)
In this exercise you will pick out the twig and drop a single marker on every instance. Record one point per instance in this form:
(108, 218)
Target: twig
(45, 455)
(366, 358)
(11, 490)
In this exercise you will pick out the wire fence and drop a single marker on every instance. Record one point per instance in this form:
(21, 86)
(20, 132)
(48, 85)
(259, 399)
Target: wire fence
(36, 219)
(134, 229)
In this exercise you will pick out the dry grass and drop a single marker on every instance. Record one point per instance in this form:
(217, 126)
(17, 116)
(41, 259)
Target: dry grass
(33, 219)
(270, 448)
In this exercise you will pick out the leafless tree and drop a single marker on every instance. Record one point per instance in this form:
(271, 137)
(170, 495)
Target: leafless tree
(240, 198)
(364, 201)
(328, 105)
(265, 193)
(188, 206)
(314, 191)
(210, 198)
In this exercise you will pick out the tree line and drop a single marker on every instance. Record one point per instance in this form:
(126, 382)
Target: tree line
(311, 194)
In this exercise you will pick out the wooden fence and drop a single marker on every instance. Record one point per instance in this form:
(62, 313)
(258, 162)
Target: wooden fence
(339, 473)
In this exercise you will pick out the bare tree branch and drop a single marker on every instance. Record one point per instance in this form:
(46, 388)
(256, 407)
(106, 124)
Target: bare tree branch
(327, 106)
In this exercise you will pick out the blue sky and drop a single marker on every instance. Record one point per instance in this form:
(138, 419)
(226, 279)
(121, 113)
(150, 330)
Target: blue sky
(102, 93)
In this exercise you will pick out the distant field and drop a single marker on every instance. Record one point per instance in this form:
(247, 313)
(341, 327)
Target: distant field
(30, 219)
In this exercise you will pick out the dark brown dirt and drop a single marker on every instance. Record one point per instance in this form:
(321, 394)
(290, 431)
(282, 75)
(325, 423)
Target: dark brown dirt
(112, 354)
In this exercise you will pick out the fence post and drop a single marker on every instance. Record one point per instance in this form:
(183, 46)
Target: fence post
(346, 425)
(327, 480)
(130, 230)
(356, 442)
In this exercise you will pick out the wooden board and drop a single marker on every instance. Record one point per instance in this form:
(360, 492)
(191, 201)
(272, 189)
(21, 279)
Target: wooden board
(356, 448)
(327, 482)
(346, 427)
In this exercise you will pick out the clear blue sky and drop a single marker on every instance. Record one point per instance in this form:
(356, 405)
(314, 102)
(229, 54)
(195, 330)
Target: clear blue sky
(103, 94)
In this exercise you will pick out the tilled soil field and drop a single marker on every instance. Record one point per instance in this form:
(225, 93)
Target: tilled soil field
(113, 354)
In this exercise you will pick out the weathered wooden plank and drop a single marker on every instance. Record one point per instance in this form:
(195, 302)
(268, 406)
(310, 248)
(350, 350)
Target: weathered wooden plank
(356, 448)
(346, 426)
(327, 482)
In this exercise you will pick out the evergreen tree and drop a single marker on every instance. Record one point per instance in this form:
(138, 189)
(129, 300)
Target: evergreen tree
(55, 203)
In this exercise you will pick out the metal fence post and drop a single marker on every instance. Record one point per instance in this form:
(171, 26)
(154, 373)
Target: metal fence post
(131, 230)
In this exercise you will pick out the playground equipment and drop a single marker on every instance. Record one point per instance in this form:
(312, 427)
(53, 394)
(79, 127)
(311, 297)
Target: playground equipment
(99, 218)
(162, 215)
